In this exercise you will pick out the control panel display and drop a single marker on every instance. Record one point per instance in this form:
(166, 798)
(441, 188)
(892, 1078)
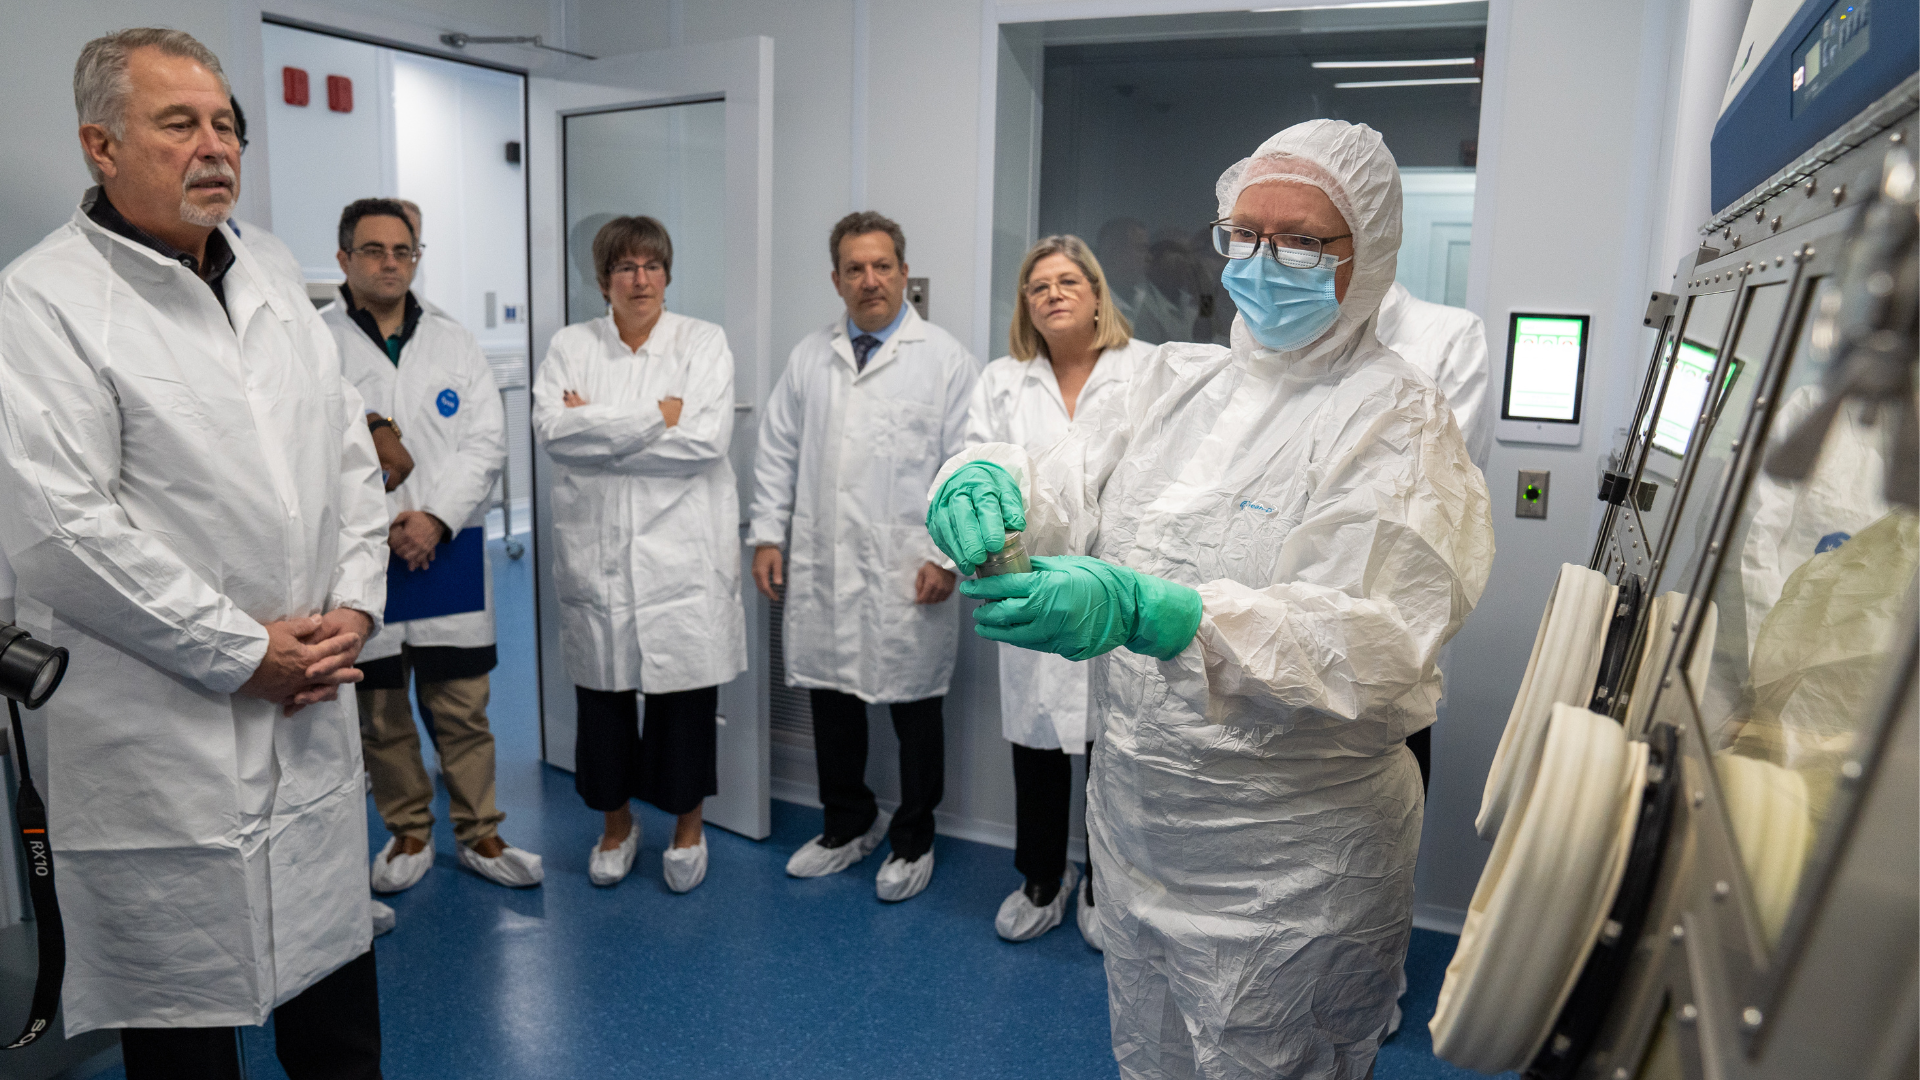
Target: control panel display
(1546, 365)
(1840, 38)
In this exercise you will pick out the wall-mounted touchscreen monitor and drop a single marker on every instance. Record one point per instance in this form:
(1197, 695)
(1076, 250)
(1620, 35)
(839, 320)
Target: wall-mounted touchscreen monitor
(1546, 378)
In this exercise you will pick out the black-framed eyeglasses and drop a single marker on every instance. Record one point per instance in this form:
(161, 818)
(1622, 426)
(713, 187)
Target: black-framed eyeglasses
(379, 253)
(1287, 249)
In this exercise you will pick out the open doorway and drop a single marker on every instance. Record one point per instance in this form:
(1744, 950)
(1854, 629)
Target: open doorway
(350, 119)
(1115, 130)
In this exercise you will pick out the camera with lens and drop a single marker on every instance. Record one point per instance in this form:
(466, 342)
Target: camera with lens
(30, 671)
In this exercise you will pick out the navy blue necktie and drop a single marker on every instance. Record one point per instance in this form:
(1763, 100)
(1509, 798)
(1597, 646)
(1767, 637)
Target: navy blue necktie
(863, 347)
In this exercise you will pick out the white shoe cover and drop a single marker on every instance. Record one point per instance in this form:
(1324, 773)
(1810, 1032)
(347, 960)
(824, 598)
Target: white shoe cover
(611, 867)
(900, 880)
(685, 867)
(403, 872)
(383, 918)
(514, 867)
(812, 860)
(1020, 920)
(1089, 918)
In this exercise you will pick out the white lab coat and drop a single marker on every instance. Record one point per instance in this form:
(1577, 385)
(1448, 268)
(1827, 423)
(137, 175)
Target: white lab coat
(174, 481)
(271, 252)
(1450, 345)
(1043, 696)
(1254, 815)
(841, 484)
(646, 524)
(444, 398)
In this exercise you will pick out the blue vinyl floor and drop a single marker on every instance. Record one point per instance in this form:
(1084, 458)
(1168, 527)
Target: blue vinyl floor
(752, 974)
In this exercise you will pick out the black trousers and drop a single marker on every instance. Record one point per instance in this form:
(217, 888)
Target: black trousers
(1421, 743)
(840, 756)
(671, 764)
(331, 1031)
(1042, 805)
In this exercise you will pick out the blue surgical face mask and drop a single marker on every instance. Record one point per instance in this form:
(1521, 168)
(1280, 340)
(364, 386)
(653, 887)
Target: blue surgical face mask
(1284, 307)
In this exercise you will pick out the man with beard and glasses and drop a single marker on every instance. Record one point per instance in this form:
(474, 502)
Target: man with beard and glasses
(195, 511)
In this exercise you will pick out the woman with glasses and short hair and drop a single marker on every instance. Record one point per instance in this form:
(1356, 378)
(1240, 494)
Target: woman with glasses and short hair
(636, 410)
(1069, 346)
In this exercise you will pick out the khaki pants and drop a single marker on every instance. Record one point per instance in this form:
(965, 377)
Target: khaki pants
(401, 788)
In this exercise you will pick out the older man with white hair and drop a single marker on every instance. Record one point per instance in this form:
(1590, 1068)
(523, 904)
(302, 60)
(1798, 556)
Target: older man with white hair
(195, 511)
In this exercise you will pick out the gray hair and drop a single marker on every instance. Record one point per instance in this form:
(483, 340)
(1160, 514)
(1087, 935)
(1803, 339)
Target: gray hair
(101, 84)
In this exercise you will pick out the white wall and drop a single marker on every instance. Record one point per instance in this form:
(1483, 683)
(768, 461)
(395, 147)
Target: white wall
(453, 122)
(322, 159)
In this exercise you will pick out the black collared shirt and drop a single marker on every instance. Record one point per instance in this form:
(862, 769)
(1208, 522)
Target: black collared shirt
(391, 344)
(219, 257)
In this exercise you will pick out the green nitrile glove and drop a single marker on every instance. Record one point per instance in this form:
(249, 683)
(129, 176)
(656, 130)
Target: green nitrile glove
(972, 512)
(1080, 607)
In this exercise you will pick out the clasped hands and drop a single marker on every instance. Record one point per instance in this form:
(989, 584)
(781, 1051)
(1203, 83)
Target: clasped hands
(308, 658)
(1074, 605)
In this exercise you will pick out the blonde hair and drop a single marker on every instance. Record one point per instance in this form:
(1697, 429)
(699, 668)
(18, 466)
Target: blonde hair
(1111, 328)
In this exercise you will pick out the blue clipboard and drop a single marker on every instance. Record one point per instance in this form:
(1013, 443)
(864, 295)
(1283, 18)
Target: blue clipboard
(454, 583)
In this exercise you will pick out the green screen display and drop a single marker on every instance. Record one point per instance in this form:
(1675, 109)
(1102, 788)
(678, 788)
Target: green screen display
(1545, 354)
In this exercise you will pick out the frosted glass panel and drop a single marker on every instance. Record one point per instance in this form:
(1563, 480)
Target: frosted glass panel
(664, 161)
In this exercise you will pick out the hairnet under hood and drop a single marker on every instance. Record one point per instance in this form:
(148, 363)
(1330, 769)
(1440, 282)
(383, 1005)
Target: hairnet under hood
(1351, 164)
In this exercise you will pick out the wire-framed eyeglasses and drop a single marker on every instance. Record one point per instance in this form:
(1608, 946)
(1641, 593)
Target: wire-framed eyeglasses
(379, 253)
(1287, 249)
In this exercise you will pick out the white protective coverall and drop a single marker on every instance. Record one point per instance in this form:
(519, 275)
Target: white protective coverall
(174, 480)
(1450, 345)
(845, 456)
(443, 396)
(1254, 816)
(1043, 696)
(646, 522)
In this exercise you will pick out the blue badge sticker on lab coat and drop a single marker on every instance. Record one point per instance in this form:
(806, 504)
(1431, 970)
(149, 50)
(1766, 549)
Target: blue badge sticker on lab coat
(448, 402)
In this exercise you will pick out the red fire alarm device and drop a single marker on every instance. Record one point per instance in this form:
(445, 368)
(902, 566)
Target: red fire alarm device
(293, 86)
(339, 93)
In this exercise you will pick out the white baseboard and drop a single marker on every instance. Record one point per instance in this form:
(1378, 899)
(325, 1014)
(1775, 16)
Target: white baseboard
(1446, 920)
(992, 833)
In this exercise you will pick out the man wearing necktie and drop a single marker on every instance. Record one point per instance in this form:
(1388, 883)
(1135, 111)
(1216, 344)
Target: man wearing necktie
(867, 410)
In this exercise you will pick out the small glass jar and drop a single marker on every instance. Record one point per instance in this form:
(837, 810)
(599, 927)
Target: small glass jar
(1011, 559)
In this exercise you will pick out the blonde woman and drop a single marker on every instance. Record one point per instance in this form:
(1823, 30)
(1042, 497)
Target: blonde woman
(1069, 346)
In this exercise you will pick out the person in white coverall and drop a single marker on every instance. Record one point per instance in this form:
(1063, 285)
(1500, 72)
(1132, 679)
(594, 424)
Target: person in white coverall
(1262, 548)
(869, 405)
(1449, 345)
(423, 377)
(1070, 348)
(194, 511)
(636, 410)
